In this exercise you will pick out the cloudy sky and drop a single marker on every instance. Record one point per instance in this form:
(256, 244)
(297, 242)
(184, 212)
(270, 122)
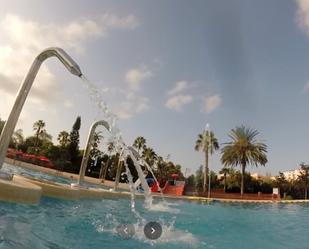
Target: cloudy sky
(167, 68)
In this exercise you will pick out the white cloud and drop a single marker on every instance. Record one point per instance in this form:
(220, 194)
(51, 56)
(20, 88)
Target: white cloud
(303, 14)
(180, 86)
(211, 103)
(135, 76)
(21, 40)
(131, 105)
(178, 96)
(178, 101)
(128, 22)
(184, 93)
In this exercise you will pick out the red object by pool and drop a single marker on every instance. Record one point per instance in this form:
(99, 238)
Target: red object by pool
(174, 176)
(30, 158)
(155, 187)
(174, 188)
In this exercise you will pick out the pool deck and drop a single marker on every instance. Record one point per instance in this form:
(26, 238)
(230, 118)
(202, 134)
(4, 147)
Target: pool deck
(63, 191)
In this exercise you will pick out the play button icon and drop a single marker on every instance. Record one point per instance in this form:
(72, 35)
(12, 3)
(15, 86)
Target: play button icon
(153, 230)
(126, 231)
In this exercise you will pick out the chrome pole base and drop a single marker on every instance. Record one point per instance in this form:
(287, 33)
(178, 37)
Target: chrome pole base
(75, 185)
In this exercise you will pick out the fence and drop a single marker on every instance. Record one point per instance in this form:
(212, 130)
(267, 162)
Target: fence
(219, 193)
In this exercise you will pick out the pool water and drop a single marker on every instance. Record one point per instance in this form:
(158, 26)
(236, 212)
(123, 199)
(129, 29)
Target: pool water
(44, 176)
(91, 224)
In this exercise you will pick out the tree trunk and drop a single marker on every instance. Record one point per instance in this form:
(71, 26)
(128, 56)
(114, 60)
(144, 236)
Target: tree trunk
(206, 171)
(243, 166)
(36, 144)
(306, 192)
(224, 182)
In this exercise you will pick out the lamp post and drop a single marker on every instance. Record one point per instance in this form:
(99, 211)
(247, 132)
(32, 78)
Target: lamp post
(208, 144)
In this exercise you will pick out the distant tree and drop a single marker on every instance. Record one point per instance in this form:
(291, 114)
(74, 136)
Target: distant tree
(45, 136)
(225, 171)
(244, 149)
(177, 170)
(63, 139)
(190, 180)
(149, 156)
(207, 143)
(38, 127)
(29, 142)
(97, 138)
(214, 181)
(233, 181)
(46, 148)
(74, 141)
(160, 168)
(169, 169)
(104, 167)
(17, 139)
(281, 182)
(303, 178)
(139, 143)
(199, 178)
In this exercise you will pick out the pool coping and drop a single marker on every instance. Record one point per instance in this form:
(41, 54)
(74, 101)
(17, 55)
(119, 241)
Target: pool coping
(20, 190)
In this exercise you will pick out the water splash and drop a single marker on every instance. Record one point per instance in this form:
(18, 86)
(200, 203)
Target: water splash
(116, 138)
(147, 192)
(163, 206)
(154, 177)
(170, 235)
(97, 98)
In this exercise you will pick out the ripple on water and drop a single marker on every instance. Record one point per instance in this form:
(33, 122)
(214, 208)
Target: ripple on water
(91, 224)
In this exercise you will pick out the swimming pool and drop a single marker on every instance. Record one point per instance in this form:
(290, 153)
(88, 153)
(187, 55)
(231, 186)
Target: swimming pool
(44, 176)
(91, 224)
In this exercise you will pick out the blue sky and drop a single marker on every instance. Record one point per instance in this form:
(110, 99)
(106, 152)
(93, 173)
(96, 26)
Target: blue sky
(167, 68)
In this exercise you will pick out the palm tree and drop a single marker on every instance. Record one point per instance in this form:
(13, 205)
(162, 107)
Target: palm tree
(139, 143)
(225, 171)
(149, 156)
(207, 143)
(303, 178)
(282, 183)
(64, 139)
(244, 149)
(110, 149)
(96, 140)
(160, 163)
(38, 127)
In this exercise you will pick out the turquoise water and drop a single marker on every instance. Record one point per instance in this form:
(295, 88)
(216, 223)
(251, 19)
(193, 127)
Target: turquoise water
(91, 224)
(43, 176)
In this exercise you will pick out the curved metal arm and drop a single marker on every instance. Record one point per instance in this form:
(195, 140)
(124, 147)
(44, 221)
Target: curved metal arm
(10, 124)
(84, 164)
(66, 60)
